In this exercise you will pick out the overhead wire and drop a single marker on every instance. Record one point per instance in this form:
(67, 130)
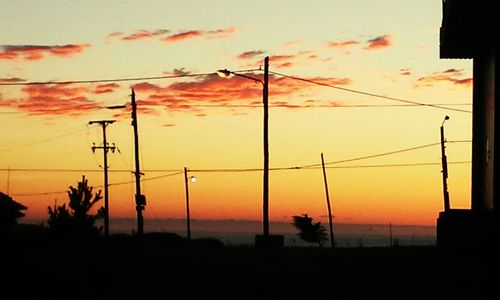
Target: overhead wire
(98, 186)
(368, 93)
(122, 79)
(411, 102)
(241, 170)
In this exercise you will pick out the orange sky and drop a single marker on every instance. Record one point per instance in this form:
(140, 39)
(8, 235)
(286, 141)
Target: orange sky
(350, 51)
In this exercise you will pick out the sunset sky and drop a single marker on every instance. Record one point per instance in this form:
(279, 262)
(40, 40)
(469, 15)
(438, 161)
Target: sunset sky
(350, 51)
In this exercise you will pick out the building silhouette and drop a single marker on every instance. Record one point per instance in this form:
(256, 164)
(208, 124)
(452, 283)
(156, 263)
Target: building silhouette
(469, 31)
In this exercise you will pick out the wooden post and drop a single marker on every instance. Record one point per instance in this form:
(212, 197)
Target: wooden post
(328, 201)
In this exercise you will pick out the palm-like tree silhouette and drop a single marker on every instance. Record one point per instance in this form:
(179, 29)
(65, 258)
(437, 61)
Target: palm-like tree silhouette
(308, 230)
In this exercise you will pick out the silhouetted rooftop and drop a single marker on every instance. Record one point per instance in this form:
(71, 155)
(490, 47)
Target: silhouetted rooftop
(467, 26)
(6, 200)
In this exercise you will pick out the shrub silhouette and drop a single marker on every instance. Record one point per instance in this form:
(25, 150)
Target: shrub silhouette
(75, 220)
(308, 230)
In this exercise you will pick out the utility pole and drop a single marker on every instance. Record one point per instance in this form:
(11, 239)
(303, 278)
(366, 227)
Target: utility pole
(140, 200)
(444, 164)
(105, 148)
(8, 181)
(188, 217)
(328, 201)
(390, 235)
(265, 100)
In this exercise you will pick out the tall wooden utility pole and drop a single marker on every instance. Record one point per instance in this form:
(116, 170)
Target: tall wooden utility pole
(140, 200)
(265, 100)
(105, 149)
(328, 201)
(188, 216)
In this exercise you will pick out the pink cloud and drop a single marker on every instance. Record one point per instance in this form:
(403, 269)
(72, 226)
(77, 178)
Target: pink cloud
(105, 88)
(144, 34)
(212, 90)
(453, 76)
(405, 72)
(11, 80)
(251, 54)
(183, 36)
(192, 34)
(37, 52)
(380, 42)
(177, 72)
(220, 33)
(7, 102)
(343, 44)
(55, 99)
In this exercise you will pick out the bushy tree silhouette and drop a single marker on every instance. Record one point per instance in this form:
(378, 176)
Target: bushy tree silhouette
(308, 230)
(76, 220)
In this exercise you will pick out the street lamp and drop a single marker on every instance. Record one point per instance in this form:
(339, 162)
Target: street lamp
(265, 99)
(188, 218)
(444, 164)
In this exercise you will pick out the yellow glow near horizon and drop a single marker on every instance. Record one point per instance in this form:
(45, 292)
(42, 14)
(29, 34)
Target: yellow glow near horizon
(213, 126)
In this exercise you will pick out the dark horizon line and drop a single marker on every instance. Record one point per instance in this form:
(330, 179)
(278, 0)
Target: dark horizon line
(239, 221)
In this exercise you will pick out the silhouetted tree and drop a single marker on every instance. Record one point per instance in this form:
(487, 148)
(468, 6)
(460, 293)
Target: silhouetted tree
(75, 219)
(10, 211)
(308, 230)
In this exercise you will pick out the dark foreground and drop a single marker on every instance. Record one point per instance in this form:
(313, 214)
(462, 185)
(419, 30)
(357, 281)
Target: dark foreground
(127, 269)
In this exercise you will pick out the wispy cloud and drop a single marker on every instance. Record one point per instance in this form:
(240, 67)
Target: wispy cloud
(405, 72)
(144, 34)
(7, 102)
(105, 88)
(11, 80)
(342, 44)
(55, 99)
(38, 52)
(279, 61)
(185, 35)
(251, 54)
(192, 34)
(379, 42)
(177, 72)
(211, 90)
(220, 33)
(453, 76)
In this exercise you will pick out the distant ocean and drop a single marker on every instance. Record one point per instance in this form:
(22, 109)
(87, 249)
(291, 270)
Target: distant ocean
(241, 232)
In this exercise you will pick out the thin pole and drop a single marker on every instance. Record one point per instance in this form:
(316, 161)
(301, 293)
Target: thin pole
(265, 100)
(140, 200)
(106, 194)
(390, 234)
(446, 195)
(188, 218)
(105, 149)
(328, 201)
(8, 180)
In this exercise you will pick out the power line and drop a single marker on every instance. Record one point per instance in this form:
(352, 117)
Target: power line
(375, 155)
(420, 164)
(410, 102)
(114, 79)
(368, 93)
(228, 169)
(9, 147)
(98, 186)
(241, 170)
(291, 106)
